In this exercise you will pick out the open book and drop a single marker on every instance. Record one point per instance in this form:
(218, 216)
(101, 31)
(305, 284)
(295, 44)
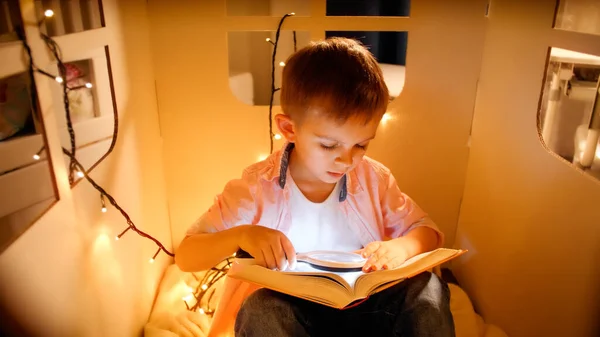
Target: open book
(336, 289)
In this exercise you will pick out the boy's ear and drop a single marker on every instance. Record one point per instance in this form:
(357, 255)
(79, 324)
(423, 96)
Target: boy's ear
(286, 126)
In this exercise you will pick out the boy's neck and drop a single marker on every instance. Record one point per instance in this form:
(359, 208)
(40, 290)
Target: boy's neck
(313, 188)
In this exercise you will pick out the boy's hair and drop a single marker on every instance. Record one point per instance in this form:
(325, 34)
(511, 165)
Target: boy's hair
(339, 76)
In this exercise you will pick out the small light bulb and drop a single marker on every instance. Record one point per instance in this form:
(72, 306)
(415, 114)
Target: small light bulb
(282, 64)
(187, 297)
(88, 85)
(80, 174)
(277, 136)
(268, 39)
(58, 79)
(292, 13)
(386, 117)
(49, 13)
(204, 287)
(104, 210)
(117, 238)
(262, 157)
(201, 311)
(151, 260)
(36, 156)
(233, 254)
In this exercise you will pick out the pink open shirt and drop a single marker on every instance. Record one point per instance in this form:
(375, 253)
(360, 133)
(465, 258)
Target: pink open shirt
(374, 206)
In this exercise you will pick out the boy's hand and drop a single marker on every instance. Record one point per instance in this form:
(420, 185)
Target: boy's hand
(269, 247)
(384, 255)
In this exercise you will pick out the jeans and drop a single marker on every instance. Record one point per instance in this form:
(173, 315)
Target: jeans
(419, 307)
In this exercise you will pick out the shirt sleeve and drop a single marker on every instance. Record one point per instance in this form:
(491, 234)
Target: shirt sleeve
(401, 214)
(233, 207)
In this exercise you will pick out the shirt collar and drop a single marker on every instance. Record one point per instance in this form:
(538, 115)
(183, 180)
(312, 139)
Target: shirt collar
(281, 160)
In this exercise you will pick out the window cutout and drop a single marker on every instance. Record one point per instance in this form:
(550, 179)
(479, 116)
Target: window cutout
(70, 16)
(27, 187)
(389, 48)
(579, 15)
(82, 102)
(250, 60)
(16, 119)
(92, 107)
(570, 109)
(368, 7)
(267, 7)
(10, 15)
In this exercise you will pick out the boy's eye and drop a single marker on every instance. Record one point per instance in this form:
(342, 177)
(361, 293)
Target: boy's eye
(328, 147)
(331, 147)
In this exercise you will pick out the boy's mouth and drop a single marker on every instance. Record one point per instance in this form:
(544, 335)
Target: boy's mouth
(335, 174)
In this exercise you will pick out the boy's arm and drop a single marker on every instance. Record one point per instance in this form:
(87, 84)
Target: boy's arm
(402, 217)
(204, 250)
(418, 240)
(216, 234)
(230, 224)
(410, 229)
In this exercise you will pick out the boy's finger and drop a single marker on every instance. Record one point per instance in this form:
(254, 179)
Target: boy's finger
(372, 260)
(395, 262)
(268, 257)
(279, 255)
(367, 267)
(370, 263)
(378, 254)
(371, 248)
(382, 261)
(290, 252)
(260, 260)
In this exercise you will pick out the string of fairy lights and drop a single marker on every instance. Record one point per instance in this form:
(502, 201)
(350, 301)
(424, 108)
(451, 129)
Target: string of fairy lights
(204, 291)
(273, 88)
(76, 169)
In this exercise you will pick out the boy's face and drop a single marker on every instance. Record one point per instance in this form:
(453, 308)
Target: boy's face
(325, 149)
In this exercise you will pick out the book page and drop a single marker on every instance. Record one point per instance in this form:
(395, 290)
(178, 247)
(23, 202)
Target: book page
(349, 278)
(321, 287)
(335, 289)
(372, 281)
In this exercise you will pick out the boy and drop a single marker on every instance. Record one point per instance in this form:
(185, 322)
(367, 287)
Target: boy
(320, 193)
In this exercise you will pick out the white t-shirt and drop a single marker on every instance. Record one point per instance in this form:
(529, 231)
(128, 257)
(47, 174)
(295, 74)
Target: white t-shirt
(319, 226)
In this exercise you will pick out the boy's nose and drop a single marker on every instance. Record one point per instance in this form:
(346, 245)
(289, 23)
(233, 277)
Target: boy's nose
(344, 159)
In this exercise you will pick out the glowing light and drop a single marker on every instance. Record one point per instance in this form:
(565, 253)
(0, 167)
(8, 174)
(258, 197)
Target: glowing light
(201, 311)
(36, 157)
(277, 136)
(292, 13)
(151, 260)
(204, 287)
(282, 64)
(59, 79)
(188, 297)
(88, 85)
(49, 13)
(123, 233)
(262, 157)
(581, 148)
(80, 174)
(386, 117)
(268, 39)
(104, 210)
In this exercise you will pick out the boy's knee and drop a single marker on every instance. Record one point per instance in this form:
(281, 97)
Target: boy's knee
(266, 313)
(264, 303)
(428, 288)
(261, 299)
